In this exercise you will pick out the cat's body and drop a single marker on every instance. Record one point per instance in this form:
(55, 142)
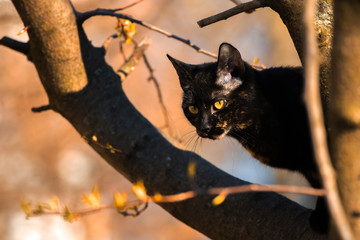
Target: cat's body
(262, 109)
(280, 128)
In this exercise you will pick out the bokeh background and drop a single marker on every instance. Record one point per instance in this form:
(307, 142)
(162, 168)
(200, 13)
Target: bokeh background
(41, 155)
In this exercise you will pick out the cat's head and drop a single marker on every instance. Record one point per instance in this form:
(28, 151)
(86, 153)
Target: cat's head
(216, 94)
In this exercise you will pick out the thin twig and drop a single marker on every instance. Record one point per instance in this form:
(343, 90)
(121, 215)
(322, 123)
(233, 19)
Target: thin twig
(137, 211)
(240, 189)
(157, 86)
(133, 211)
(129, 65)
(109, 40)
(244, 7)
(121, 48)
(313, 104)
(13, 44)
(41, 108)
(125, 70)
(81, 17)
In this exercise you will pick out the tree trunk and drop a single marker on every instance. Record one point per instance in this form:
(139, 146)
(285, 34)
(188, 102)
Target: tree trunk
(345, 107)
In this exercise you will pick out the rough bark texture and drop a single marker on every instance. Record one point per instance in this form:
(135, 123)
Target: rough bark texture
(95, 104)
(345, 107)
(54, 45)
(291, 13)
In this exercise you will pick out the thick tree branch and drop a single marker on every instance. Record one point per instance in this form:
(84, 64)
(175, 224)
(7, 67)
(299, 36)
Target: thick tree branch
(57, 77)
(95, 104)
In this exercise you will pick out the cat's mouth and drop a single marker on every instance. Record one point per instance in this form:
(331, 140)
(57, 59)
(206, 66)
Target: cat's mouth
(213, 133)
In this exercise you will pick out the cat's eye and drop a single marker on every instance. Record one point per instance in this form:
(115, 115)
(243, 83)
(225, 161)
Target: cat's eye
(193, 109)
(219, 104)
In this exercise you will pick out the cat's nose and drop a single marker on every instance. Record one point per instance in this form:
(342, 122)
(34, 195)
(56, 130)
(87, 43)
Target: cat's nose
(205, 127)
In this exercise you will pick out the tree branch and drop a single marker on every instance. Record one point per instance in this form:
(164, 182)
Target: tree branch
(161, 100)
(57, 78)
(240, 8)
(101, 108)
(109, 40)
(238, 2)
(129, 66)
(18, 46)
(344, 108)
(41, 108)
(81, 17)
(319, 139)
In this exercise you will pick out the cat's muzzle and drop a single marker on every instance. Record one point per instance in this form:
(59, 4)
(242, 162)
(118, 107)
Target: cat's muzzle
(212, 133)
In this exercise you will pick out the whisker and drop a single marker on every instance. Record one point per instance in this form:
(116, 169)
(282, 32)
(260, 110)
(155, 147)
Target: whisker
(195, 144)
(190, 140)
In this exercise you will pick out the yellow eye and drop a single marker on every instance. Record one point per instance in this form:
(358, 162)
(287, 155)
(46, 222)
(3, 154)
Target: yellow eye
(219, 104)
(193, 109)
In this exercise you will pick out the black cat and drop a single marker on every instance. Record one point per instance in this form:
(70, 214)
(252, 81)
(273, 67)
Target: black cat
(263, 109)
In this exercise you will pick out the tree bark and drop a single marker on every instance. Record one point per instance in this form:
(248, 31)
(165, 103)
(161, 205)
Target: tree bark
(291, 13)
(345, 107)
(88, 93)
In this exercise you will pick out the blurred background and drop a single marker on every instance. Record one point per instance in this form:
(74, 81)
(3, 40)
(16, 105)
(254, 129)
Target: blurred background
(42, 156)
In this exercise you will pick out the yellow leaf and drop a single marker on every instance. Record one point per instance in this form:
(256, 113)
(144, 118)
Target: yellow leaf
(126, 23)
(256, 61)
(157, 197)
(120, 200)
(54, 204)
(219, 199)
(69, 216)
(85, 139)
(130, 31)
(23, 30)
(93, 199)
(94, 138)
(191, 170)
(110, 148)
(40, 208)
(128, 40)
(139, 190)
(26, 207)
(127, 29)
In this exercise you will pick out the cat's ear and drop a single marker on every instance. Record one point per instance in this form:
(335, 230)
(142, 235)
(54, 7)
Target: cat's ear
(183, 70)
(231, 67)
(229, 60)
